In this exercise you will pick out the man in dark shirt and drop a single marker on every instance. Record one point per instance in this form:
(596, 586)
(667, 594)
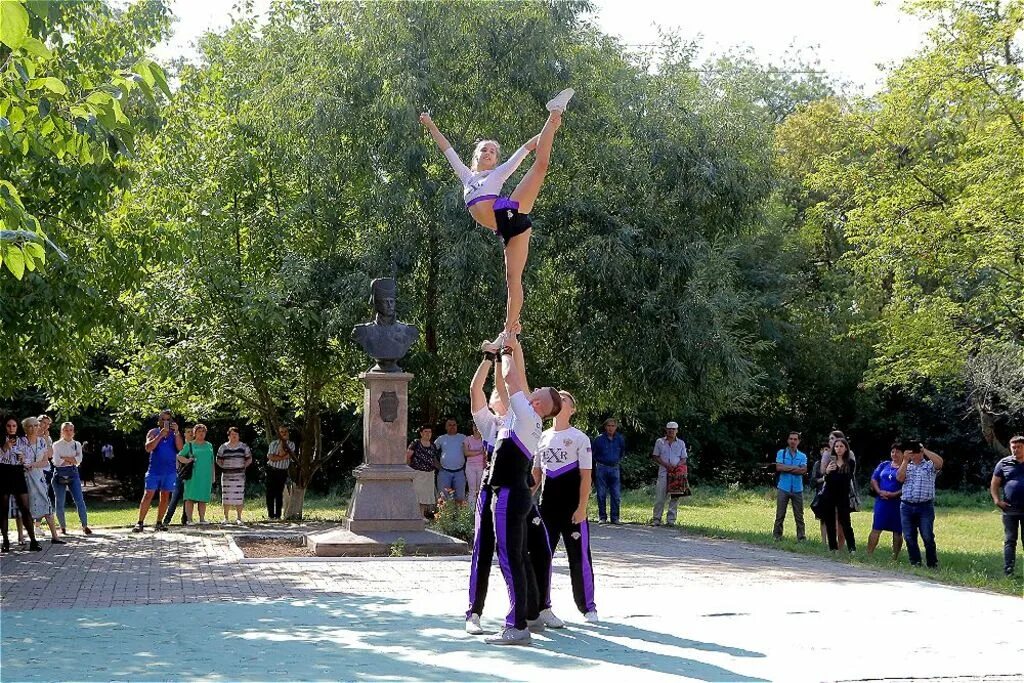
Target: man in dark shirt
(1009, 476)
(609, 447)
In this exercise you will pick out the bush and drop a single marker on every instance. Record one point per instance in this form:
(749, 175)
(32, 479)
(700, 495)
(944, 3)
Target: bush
(455, 520)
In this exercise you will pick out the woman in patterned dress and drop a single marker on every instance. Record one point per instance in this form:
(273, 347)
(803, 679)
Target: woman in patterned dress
(233, 458)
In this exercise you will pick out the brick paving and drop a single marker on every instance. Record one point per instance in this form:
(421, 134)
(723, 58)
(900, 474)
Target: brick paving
(673, 607)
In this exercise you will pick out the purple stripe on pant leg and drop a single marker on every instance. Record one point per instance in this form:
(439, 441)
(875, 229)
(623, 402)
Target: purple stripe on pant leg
(501, 536)
(546, 599)
(588, 569)
(476, 553)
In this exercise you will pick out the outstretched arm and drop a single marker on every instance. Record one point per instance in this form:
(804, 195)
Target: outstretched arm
(439, 138)
(446, 148)
(499, 383)
(509, 166)
(512, 367)
(477, 397)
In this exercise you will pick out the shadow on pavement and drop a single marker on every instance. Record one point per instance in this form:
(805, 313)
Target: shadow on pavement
(319, 638)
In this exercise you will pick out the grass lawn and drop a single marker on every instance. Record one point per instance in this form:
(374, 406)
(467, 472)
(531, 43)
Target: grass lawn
(968, 530)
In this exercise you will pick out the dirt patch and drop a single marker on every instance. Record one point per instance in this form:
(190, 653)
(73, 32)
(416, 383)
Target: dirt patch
(273, 547)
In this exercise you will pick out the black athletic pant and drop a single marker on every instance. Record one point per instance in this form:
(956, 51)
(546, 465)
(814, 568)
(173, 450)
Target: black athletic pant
(483, 552)
(838, 506)
(276, 479)
(511, 509)
(557, 518)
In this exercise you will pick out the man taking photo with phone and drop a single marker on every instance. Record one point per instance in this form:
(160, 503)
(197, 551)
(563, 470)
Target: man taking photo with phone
(163, 443)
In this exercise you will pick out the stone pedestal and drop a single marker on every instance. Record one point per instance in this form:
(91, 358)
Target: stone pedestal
(384, 498)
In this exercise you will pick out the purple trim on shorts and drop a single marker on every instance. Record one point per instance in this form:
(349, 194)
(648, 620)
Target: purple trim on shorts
(562, 470)
(501, 536)
(502, 203)
(588, 569)
(481, 198)
(476, 551)
(546, 599)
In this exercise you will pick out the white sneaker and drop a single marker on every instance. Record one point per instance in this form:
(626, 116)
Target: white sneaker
(511, 636)
(473, 625)
(591, 617)
(548, 618)
(239, 522)
(560, 101)
(535, 625)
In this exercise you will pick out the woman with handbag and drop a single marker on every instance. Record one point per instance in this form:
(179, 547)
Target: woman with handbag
(835, 498)
(36, 456)
(67, 458)
(195, 466)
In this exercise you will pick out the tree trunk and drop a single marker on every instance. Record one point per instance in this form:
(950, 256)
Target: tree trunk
(294, 497)
(430, 307)
(988, 430)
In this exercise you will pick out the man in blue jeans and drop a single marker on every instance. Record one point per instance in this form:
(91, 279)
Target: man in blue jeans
(917, 504)
(609, 448)
(1009, 476)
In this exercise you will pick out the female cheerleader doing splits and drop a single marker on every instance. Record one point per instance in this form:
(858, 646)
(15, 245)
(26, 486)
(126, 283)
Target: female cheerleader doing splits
(508, 216)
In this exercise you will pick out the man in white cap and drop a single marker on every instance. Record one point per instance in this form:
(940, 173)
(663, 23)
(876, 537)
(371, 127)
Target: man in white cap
(669, 452)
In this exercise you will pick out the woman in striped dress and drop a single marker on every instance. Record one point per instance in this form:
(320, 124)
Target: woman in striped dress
(233, 458)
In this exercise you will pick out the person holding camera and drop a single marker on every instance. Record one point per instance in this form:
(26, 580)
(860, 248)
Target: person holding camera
(279, 459)
(163, 443)
(917, 474)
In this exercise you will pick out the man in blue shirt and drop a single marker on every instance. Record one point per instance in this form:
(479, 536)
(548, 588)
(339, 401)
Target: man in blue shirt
(609, 448)
(1009, 476)
(452, 474)
(791, 464)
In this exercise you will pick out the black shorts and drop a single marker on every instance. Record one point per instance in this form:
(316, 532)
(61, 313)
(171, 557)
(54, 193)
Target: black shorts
(12, 480)
(508, 219)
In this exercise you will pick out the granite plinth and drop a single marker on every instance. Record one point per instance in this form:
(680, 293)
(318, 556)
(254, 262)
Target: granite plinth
(347, 543)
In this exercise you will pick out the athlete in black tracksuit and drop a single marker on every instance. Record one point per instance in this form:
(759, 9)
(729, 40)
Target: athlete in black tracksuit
(484, 537)
(565, 461)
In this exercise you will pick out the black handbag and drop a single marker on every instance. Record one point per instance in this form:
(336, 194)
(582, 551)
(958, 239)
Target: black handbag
(185, 469)
(818, 503)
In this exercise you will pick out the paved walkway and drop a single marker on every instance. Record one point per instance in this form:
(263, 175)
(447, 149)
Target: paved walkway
(121, 606)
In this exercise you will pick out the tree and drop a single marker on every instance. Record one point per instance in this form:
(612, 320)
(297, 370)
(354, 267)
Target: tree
(76, 91)
(924, 185)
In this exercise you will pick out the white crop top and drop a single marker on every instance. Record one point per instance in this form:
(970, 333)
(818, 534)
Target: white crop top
(482, 185)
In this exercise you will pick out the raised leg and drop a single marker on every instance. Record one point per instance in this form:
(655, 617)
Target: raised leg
(529, 187)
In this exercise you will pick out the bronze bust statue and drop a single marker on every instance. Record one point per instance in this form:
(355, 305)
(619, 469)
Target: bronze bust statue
(386, 339)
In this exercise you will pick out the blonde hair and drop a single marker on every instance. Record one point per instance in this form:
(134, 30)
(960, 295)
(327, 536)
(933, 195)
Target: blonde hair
(480, 148)
(29, 422)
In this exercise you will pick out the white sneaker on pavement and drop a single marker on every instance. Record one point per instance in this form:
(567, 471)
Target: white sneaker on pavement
(591, 617)
(473, 625)
(560, 101)
(548, 618)
(534, 625)
(511, 636)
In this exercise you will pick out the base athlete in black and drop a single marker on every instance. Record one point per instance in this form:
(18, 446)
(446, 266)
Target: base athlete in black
(565, 463)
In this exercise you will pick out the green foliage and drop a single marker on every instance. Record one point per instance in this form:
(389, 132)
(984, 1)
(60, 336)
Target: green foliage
(75, 95)
(457, 521)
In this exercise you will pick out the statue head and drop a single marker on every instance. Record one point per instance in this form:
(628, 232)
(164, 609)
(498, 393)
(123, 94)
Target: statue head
(382, 296)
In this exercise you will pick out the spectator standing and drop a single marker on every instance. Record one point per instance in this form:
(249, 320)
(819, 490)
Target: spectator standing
(887, 490)
(1009, 476)
(669, 453)
(476, 461)
(233, 458)
(835, 496)
(14, 486)
(36, 456)
(45, 422)
(452, 474)
(67, 457)
(422, 456)
(198, 486)
(818, 477)
(279, 459)
(609, 448)
(917, 473)
(179, 487)
(162, 443)
(108, 452)
(791, 464)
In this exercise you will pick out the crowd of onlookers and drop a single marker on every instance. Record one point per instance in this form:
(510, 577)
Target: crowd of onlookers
(37, 473)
